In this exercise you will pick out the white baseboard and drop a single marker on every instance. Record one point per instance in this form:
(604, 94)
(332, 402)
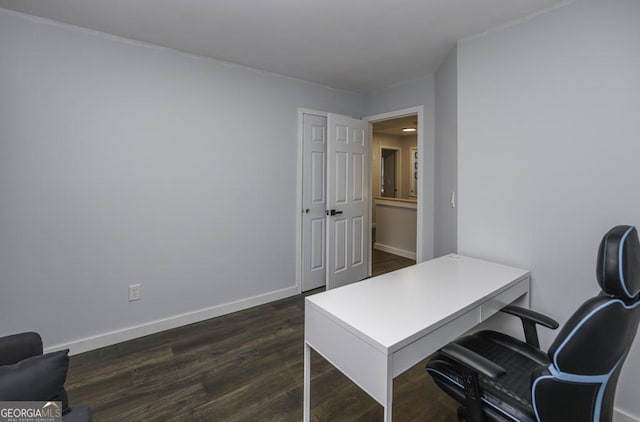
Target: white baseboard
(129, 333)
(395, 251)
(620, 416)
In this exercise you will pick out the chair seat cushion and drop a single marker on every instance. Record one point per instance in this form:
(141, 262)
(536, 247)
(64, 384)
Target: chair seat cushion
(37, 378)
(509, 395)
(516, 345)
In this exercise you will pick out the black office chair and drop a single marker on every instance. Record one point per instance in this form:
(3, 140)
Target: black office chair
(495, 377)
(27, 374)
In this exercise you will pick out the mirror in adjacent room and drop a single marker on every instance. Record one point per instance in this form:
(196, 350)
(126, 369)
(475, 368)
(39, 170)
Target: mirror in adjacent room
(388, 167)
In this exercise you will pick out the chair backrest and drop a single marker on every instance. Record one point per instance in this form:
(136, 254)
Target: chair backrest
(588, 353)
(17, 347)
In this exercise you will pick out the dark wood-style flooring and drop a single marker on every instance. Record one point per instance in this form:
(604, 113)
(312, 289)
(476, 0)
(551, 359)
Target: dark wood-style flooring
(245, 366)
(382, 262)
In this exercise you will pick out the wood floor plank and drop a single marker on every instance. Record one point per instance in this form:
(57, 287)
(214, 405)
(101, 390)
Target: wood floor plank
(245, 366)
(82, 374)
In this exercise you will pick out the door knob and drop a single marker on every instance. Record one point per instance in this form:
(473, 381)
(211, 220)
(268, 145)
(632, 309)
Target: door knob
(333, 212)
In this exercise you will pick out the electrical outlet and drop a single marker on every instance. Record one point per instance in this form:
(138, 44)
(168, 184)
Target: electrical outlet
(134, 292)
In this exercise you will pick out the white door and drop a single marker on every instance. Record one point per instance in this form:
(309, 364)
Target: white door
(314, 150)
(348, 162)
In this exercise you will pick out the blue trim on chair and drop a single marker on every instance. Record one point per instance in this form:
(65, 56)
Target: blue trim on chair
(577, 327)
(445, 376)
(603, 380)
(533, 394)
(621, 266)
(584, 320)
(603, 388)
(583, 379)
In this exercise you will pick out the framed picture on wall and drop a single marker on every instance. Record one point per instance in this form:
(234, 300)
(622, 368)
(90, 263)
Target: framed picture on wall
(413, 177)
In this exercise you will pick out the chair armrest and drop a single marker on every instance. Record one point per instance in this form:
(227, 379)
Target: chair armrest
(477, 363)
(474, 364)
(533, 316)
(17, 347)
(529, 320)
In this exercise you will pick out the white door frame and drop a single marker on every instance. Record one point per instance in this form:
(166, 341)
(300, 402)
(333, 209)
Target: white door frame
(420, 203)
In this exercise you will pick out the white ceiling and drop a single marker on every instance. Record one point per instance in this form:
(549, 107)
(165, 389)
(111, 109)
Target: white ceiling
(395, 126)
(356, 45)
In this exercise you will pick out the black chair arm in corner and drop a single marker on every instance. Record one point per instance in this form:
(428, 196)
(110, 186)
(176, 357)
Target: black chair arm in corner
(473, 361)
(17, 347)
(529, 320)
(474, 364)
(533, 316)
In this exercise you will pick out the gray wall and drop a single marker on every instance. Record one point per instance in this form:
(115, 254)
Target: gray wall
(396, 229)
(549, 149)
(445, 229)
(414, 93)
(124, 163)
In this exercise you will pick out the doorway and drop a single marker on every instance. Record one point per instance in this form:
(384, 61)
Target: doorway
(396, 205)
(416, 190)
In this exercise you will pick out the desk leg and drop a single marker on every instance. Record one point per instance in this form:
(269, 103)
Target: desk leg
(306, 408)
(388, 406)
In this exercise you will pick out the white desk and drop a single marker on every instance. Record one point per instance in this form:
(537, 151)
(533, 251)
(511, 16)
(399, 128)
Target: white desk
(376, 329)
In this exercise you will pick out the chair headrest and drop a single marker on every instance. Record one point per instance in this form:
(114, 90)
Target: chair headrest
(618, 268)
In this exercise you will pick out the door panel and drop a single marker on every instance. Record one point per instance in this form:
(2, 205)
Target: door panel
(357, 163)
(357, 252)
(358, 136)
(341, 177)
(340, 246)
(318, 233)
(341, 134)
(348, 195)
(314, 204)
(318, 178)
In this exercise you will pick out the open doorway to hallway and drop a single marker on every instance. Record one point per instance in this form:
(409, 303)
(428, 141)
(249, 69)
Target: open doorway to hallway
(394, 186)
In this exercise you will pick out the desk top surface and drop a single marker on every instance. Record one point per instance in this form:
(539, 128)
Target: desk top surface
(393, 307)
